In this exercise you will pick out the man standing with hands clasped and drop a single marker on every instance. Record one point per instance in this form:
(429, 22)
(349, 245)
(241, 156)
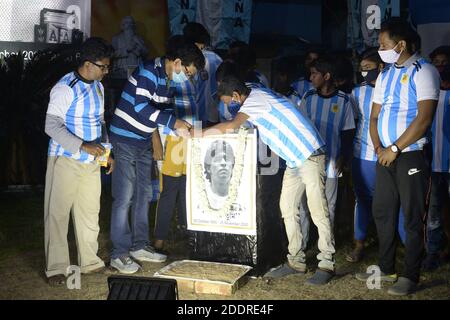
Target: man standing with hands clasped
(404, 104)
(74, 122)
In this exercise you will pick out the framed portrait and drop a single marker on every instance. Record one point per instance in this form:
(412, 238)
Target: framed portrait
(221, 183)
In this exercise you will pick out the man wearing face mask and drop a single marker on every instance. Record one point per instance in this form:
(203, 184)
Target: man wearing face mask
(404, 104)
(145, 103)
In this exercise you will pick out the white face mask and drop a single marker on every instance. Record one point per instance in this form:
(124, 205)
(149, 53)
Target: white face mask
(390, 56)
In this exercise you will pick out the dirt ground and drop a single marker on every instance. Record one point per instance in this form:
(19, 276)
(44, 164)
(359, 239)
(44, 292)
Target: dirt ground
(22, 265)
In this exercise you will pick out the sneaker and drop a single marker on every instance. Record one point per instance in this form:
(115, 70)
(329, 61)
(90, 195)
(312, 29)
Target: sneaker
(363, 276)
(148, 254)
(320, 278)
(281, 271)
(403, 287)
(125, 265)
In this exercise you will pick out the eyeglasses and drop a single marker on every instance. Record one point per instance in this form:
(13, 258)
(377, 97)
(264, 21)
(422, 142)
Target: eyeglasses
(103, 67)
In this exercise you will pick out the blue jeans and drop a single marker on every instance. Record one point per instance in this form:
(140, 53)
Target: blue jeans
(363, 174)
(440, 191)
(131, 187)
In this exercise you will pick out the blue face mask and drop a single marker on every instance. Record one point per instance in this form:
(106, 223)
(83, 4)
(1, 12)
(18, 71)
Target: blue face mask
(233, 107)
(179, 77)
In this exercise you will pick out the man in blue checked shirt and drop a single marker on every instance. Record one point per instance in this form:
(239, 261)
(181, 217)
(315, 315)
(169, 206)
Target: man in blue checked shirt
(404, 104)
(144, 105)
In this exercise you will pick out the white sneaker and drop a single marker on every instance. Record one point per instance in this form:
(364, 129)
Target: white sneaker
(148, 254)
(125, 265)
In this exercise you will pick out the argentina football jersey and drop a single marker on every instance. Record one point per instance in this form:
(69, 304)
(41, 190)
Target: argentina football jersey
(363, 147)
(82, 118)
(330, 115)
(281, 126)
(397, 90)
(441, 134)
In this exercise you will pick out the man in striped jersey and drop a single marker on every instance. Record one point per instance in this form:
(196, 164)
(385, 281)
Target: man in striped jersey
(144, 105)
(364, 156)
(293, 137)
(332, 114)
(193, 102)
(74, 123)
(404, 105)
(440, 178)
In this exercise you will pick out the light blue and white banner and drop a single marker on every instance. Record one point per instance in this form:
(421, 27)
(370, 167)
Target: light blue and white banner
(226, 20)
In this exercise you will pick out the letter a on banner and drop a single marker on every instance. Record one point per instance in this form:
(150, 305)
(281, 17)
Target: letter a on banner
(180, 13)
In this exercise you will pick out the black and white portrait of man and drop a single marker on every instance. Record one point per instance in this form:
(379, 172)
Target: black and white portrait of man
(218, 164)
(221, 184)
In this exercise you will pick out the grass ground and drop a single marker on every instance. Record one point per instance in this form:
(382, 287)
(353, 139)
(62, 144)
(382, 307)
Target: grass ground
(22, 264)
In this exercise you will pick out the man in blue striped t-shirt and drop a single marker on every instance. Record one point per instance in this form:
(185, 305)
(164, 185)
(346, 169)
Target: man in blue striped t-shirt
(143, 106)
(72, 183)
(194, 101)
(404, 105)
(293, 137)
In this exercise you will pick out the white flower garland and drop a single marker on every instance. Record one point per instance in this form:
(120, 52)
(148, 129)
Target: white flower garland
(221, 213)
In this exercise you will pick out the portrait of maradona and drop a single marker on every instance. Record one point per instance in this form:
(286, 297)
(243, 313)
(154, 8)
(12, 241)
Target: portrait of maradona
(218, 167)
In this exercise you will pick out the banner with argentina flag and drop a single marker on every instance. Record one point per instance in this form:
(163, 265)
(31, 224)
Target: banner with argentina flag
(226, 20)
(432, 18)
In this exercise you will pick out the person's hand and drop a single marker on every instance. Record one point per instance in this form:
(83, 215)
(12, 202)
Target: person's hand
(182, 128)
(94, 149)
(111, 164)
(386, 157)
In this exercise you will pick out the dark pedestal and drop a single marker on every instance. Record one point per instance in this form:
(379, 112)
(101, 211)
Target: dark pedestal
(265, 250)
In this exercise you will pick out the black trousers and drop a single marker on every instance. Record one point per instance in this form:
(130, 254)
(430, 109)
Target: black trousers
(404, 183)
(173, 194)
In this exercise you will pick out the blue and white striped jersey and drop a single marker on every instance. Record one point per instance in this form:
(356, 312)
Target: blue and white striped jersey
(81, 104)
(300, 87)
(225, 113)
(398, 90)
(362, 143)
(441, 134)
(146, 102)
(330, 115)
(281, 126)
(206, 89)
(262, 79)
(185, 106)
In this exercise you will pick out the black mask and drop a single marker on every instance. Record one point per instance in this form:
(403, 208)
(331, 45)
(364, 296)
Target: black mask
(370, 75)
